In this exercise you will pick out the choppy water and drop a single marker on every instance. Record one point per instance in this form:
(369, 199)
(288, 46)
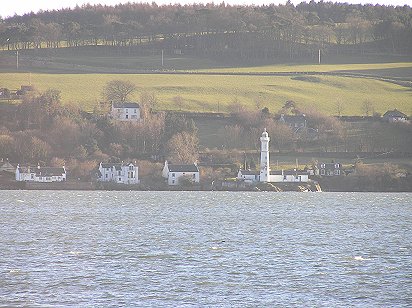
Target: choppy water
(157, 249)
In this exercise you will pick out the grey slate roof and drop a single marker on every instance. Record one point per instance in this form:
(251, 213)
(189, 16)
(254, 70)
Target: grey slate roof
(44, 171)
(183, 168)
(126, 105)
(50, 171)
(394, 114)
(249, 172)
(117, 166)
(289, 172)
(292, 119)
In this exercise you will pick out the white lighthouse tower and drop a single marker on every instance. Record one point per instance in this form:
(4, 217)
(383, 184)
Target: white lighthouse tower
(264, 157)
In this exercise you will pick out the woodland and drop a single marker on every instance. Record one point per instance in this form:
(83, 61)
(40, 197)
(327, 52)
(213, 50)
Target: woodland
(250, 33)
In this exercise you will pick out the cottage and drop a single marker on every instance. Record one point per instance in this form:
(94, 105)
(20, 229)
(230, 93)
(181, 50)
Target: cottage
(129, 112)
(395, 116)
(118, 173)
(248, 176)
(295, 122)
(176, 173)
(289, 176)
(40, 174)
(6, 166)
(329, 169)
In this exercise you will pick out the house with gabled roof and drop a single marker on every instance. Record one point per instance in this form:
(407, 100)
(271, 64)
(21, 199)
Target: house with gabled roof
(118, 173)
(40, 174)
(174, 174)
(295, 122)
(6, 166)
(395, 116)
(329, 169)
(248, 176)
(125, 111)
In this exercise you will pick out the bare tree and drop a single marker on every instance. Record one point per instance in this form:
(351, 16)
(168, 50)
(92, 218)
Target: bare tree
(178, 101)
(183, 148)
(339, 107)
(118, 90)
(367, 107)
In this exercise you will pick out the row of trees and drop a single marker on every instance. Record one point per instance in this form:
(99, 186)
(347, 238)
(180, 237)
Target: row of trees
(258, 31)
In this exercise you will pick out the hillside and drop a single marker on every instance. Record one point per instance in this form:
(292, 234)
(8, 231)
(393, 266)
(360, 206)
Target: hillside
(204, 85)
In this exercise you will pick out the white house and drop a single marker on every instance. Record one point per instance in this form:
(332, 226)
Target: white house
(289, 176)
(118, 173)
(248, 176)
(40, 174)
(395, 116)
(173, 173)
(129, 112)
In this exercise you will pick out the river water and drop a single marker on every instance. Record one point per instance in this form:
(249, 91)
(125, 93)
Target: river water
(214, 249)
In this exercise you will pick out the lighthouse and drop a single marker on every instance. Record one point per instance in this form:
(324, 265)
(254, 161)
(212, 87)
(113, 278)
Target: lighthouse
(264, 157)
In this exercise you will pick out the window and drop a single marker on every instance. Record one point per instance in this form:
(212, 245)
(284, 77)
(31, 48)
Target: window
(284, 177)
(173, 175)
(119, 172)
(131, 174)
(135, 110)
(173, 181)
(130, 167)
(337, 172)
(127, 116)
(107, 175)
(322, 172)
(194, 176)
(322, 165)
(127, 110)
(120, 179)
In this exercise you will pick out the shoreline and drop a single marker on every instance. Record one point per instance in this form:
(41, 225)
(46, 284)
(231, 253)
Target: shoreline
(276, 187)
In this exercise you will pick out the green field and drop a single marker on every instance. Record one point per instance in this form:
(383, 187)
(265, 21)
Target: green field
(81, 78)
(216, 93)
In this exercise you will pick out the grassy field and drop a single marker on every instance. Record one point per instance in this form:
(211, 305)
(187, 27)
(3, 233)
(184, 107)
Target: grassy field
(216, 93)
(81, 76)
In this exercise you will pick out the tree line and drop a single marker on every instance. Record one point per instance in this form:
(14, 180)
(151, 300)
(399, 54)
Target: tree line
(248, 32)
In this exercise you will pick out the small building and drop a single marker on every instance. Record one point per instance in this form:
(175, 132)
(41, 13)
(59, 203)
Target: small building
(128, 112)
(40, 174)
(248, 176)
(6, 166)
(395, 116)
(176, 173)
(329, 169)
(295, 122)
(118, 173)
(289, 176)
